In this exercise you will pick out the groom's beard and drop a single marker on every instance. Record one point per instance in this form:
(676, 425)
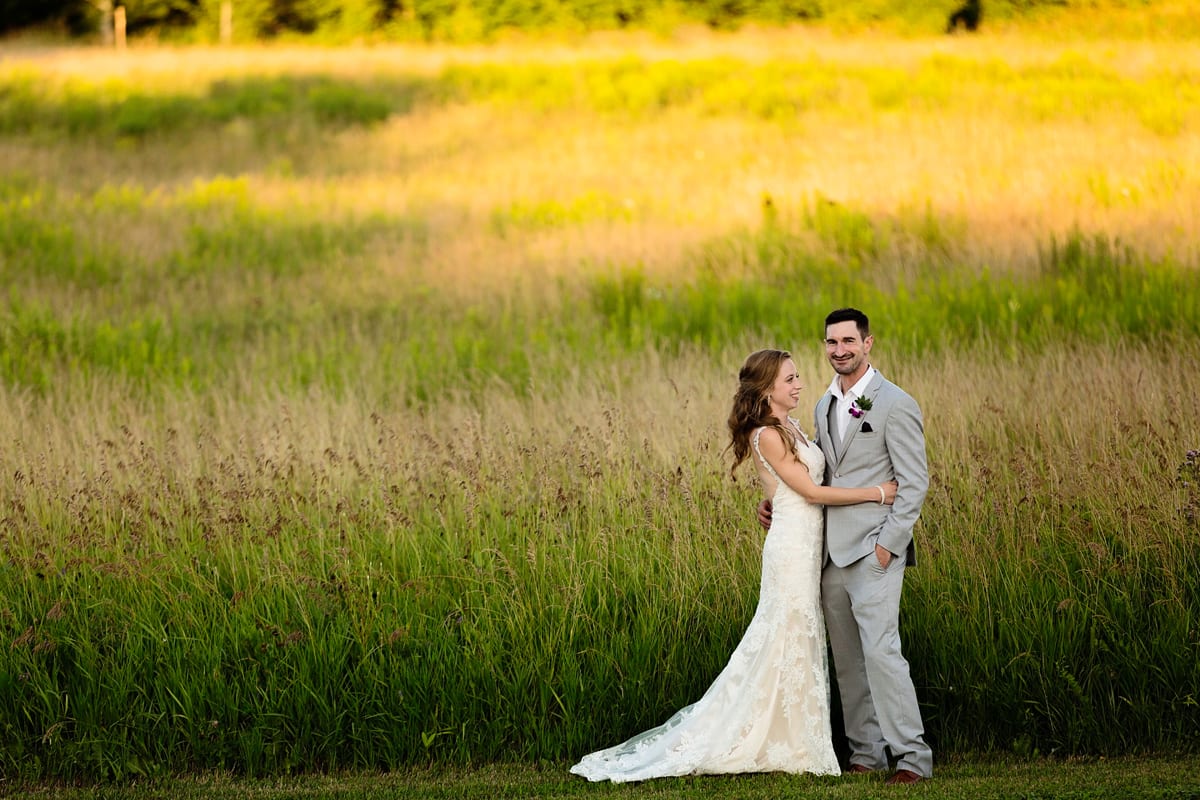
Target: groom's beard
(847, 367)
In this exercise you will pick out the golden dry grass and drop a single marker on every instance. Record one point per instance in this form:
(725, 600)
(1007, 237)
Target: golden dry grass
(678, 178)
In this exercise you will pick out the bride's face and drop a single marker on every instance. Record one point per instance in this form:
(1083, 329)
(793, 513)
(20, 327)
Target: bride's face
(785, 394)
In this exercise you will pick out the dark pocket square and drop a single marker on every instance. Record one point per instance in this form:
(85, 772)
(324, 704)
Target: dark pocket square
(866, 428)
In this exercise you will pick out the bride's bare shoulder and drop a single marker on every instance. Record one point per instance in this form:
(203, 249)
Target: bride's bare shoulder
(771, 440)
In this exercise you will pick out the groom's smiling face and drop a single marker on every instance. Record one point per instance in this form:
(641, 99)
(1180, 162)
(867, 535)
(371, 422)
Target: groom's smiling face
(846, 348)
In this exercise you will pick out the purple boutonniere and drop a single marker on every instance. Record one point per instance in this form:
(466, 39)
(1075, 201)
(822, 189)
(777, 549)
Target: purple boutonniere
(860, 407)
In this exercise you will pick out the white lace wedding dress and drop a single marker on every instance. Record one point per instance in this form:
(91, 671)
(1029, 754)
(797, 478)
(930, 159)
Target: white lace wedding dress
(768, 710)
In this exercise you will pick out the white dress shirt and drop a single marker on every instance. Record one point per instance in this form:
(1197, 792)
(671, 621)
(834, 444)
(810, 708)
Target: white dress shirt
(845, 400)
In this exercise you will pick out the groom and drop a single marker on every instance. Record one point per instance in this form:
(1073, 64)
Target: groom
(870, 431)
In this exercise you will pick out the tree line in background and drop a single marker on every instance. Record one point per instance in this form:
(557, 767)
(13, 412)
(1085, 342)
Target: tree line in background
(248, 20)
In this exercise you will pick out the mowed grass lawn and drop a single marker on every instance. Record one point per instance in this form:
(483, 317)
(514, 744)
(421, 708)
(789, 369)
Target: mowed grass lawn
(986, 779)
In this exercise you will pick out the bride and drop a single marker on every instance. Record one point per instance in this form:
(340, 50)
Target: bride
(768, 710)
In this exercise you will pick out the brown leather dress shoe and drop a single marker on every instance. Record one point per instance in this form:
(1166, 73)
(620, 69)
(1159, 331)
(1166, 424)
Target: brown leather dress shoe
(904, 776)
(858, 769)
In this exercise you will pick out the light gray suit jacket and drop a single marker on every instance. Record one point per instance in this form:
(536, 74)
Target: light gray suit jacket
(886, 443)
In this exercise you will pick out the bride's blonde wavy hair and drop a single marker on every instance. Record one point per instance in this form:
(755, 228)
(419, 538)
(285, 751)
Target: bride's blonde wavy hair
(751, 408)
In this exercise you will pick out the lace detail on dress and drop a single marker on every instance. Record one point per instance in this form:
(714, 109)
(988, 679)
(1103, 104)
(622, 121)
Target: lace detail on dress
(768, 710)
(758, 452)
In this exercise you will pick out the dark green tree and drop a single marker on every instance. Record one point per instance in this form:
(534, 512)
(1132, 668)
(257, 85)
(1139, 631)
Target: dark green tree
(18, 14)
(144, 15)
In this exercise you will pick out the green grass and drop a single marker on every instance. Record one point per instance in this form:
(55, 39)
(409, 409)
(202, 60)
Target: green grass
(1072, 87)
(344, 429)
(1162, 778)
(115, 109)
(134, 315)
(410, 586)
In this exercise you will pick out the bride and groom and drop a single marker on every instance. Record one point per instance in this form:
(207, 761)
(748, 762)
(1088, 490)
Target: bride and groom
(839, 511)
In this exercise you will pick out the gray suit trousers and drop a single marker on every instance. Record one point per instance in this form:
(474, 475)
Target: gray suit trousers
(861, 602)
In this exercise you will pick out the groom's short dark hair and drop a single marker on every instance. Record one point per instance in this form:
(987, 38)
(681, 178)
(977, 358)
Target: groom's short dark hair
(850, 315)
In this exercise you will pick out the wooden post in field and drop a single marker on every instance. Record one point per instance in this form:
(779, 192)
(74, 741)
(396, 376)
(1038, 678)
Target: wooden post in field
(226, 26)
(106, 22)
(119, 26)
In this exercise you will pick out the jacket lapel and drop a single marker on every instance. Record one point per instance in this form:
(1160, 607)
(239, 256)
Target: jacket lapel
(831, 456)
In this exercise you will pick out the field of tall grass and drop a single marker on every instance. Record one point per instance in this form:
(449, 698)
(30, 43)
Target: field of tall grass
(363, 408)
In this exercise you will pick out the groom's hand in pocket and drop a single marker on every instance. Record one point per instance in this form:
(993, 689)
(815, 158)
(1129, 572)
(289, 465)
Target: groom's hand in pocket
(884, 555)
(764, 514)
